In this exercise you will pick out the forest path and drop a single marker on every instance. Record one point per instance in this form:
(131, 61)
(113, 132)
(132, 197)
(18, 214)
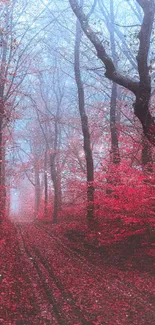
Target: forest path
(54, 284)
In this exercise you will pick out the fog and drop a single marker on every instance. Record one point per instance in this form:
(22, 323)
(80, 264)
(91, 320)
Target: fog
(51, 147)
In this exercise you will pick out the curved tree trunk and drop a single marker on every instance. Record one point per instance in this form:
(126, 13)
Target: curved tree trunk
(142, 88)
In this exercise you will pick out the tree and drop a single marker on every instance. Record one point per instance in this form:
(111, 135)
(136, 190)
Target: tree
(85, 127)
(17, 53)
(142, 88)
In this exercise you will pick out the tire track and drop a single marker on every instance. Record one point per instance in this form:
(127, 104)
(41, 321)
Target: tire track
(36, 257)
(120, 284)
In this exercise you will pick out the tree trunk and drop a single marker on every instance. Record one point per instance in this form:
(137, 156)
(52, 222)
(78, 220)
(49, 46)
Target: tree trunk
(142, 88)
(146, 158)
(115, 155)
(2, 172)
(59, 190)
(85, 127)
(4, 47)
(112, 179)
(1, 175)
(45, 187)
(113, 102)
(113, 127)
(55, 186)
(37, 191)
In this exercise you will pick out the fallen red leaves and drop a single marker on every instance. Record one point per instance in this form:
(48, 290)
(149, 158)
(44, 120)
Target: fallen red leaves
(71, 275)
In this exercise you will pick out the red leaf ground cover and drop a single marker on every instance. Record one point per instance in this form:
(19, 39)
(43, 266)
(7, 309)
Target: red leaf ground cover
(69, 274)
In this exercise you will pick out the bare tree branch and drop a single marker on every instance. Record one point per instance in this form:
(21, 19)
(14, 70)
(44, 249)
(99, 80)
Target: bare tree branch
(111, 72)
(92, 9)
(142, 88)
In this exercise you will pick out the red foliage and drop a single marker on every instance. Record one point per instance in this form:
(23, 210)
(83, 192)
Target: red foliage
(131, 195)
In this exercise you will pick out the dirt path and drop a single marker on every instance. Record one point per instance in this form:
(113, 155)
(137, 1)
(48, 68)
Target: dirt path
(57, 285)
